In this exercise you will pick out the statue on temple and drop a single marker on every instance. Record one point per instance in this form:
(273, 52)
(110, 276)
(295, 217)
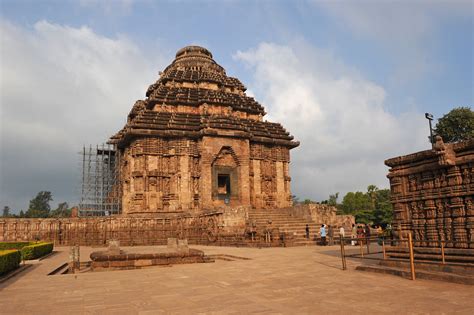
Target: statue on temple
(445, 152)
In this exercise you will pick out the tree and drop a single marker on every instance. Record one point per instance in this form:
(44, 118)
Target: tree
(456, 125)
(372, 207)
(6, 212)
(22, 214)
(39, 206)
(62, 211)
(295, 200)
(353, 202)
(372, 194)
(383, 211)
(333, 199)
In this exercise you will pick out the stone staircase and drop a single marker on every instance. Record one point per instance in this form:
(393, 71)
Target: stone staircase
(428, 270)
(286, 222)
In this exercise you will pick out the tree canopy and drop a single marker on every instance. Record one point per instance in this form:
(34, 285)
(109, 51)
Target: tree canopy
(456, 125)
(62, 211)
(372, 207)
(6, 212)
(39, 206)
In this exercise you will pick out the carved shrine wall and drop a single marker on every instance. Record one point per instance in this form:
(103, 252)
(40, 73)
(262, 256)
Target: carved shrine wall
(160, 175)
(269, 176)
(169, 175)
(432, 195)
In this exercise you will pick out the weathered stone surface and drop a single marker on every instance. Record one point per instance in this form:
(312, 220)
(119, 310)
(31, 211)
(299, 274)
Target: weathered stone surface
(130, 260)
(198, 142)
(227, 226)
(432, 195)
(114, 247)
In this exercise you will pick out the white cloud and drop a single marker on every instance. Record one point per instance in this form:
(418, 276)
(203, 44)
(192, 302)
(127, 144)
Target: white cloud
(61, 87)
(340, 118)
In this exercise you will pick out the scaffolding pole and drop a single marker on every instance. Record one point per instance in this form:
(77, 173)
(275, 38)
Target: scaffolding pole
(100, 189)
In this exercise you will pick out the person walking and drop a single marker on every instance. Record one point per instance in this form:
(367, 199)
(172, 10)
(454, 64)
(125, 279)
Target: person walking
(342, 233)
(367, 234)
(331, 235)
(353, 235)
(322, 233)
(307, 231)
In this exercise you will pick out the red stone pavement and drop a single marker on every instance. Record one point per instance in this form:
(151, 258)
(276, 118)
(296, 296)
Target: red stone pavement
(298, 280)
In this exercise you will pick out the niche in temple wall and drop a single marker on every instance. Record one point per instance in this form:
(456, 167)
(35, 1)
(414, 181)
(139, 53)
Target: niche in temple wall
(225, 175)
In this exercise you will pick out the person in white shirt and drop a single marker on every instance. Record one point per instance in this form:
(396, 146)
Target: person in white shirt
(342, 232)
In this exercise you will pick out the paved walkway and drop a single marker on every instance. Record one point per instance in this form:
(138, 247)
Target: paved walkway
(299, 280)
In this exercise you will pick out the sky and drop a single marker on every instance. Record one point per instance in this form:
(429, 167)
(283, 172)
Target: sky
(351, 80)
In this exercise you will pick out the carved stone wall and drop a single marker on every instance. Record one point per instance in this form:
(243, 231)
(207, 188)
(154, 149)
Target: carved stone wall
(226, 226)
(323, 214)
(203, 229)
(432, 194)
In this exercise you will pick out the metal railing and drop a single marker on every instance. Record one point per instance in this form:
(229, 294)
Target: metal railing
(411, 253)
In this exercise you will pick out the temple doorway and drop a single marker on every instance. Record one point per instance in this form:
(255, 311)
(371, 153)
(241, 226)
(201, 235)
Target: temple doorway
(223, 186)
(225, 179)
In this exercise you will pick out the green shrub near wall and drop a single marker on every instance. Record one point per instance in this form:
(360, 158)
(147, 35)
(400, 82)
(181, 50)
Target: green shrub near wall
(36, 250)
(14, 245)
(9, 260)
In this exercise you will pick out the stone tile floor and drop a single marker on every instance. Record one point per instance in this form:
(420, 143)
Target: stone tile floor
(298, 280)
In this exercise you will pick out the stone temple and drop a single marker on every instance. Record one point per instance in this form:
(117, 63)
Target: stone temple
(198, 142)
(196, 161)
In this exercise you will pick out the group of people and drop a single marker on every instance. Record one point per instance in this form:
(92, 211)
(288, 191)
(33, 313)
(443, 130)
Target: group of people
(359, 233)
(326, 232)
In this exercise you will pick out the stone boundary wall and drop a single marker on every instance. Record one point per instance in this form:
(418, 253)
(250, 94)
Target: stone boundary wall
(129, 231)
(226, 227)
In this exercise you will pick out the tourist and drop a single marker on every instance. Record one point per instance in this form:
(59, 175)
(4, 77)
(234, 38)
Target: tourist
(322, 233)
(353, 235)
(360, 234)
(342, 233)
(331, 235)
(307, 231)
(253, 229)
(367, 233)
(379, 234)
(268, 232)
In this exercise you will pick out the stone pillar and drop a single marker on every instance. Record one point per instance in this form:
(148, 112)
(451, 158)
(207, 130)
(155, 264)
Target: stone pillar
(257, 184)
(205, 185)
(185, 197)
(280, 185)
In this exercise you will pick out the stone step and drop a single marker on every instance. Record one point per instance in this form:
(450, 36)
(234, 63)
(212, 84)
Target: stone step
(435, 257)
(419, 274)
(456, 268)
(311, 225)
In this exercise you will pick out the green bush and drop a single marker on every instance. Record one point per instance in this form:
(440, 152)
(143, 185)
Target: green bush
(13, 245)
(9, 260)
(36, 250)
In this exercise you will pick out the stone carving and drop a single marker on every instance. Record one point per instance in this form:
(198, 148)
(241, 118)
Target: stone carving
(438, 191)
(445, 152)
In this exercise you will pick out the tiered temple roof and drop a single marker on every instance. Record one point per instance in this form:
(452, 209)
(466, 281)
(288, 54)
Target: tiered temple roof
(194, 97)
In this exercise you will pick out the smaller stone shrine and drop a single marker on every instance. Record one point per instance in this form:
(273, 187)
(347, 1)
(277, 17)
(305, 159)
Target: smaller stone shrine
(432, 194)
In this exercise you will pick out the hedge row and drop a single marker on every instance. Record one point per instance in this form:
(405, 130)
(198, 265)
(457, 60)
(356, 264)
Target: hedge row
(13, 245)
(36, 250)
(9, 260)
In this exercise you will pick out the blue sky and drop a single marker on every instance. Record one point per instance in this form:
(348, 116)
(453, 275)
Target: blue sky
(350, 79)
